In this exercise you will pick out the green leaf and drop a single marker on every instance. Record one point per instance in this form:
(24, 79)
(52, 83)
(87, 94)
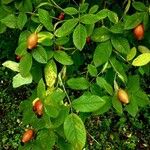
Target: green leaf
(88, 103)
(18, 80)
(117, 104)
(141, 98)
(9, 21)
(92, 70)
(102, 53)
(21, 20)
(79, 36)
(131, 54)
(25, 65)
(117, 66)
(100, 34)
(117, 28)
(79, 83)
(61, 40)
(63, 58)
(113, 17)
(40, 55)
(41, 91)
(89, 29)
(133, 20)
(45, 19)
(83, 7)
(120, 44)
(132, 107)
(105, 107)
(105, 85)
(75, 132)
(133, 83)
(11, 65)
(45, 38)
(102, 14)
(46, 139)
(93, 9)
(141, 60)
(21, 49)
(23, 37)
(70, 11)
(50, 72)
(139, 6)
(64, 112)
(66, 28)
(89, 18)
(2, 28)
(143, 49)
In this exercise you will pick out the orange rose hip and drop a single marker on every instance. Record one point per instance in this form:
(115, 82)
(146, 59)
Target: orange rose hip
(139, 32)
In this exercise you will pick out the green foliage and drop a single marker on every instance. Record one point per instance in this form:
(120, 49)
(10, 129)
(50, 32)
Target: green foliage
(74, 75)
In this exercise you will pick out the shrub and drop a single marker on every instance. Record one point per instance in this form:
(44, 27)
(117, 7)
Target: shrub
(79, 54)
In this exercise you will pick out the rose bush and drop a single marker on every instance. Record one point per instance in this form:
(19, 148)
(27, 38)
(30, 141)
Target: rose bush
(79, 54)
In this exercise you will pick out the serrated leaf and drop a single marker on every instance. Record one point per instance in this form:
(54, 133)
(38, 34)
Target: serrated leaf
(50, 73)
(117, 104)
(92, 70)
(10, 21)
(40, 55)
(120, 44)
(100, 34)
(88, 103)
(25, 64)
(79, 83)
(133, 20)
(102, 53)
(79, 36)
(45, 19)
(18, 80)
(21, 20)
(141, 60)
(89, 18)
(11, 65)
(105, 85)
(71, 11)
(131, 54)
(63, 58)
(74, 130)
(117, 66)
(64, 30)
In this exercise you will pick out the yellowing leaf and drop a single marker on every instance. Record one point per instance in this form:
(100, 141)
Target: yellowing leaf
(141, 60)
(50, 72)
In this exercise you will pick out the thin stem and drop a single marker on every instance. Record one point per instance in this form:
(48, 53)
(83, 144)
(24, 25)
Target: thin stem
(69, 100)
(57, 5)
(93, 138)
